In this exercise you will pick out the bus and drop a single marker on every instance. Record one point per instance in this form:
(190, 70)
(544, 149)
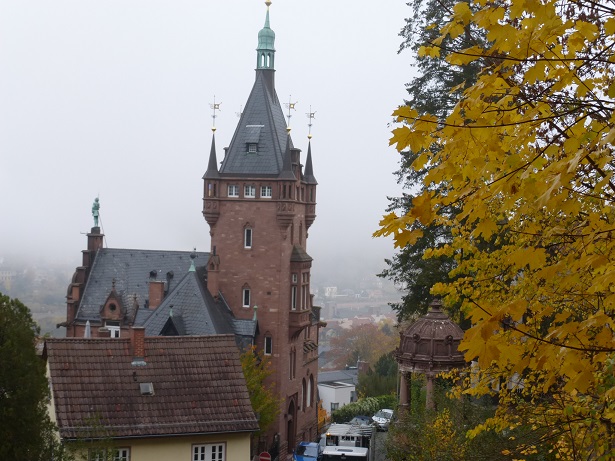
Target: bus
(345, 453)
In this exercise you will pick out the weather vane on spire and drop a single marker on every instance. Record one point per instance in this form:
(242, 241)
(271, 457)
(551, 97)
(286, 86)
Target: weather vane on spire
(289, 105)
(214, 107)
(311, 116)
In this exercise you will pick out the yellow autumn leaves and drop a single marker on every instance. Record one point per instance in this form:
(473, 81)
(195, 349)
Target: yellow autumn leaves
(526, 160)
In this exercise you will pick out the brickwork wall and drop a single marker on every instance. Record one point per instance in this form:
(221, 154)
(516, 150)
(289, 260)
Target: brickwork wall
(266, 269)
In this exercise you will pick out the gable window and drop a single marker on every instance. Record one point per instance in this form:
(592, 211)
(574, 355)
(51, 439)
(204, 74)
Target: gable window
(245, 297)
(268, 345)
(208, 452)
(233, 190)
(265, 191)
(247, 237)
(114, 328)
(252, 148)
(249, 191)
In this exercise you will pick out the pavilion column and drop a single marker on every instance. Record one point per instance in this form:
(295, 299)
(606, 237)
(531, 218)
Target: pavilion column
(403, 391)
(429, 402)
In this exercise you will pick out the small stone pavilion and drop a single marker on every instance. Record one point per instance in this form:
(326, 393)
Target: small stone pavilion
(429, 346)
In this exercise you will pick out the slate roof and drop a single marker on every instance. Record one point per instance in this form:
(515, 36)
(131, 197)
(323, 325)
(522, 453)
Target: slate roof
(198, 386)
(131, 271)
(194, 310)
(262, 121)
(344, 376)
(200, 314)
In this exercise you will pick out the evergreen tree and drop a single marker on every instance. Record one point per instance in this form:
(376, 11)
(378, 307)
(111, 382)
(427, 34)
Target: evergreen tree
(435, 90)
(26, 431)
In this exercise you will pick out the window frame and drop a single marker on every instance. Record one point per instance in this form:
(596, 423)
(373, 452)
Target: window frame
(245, 296)
(249, 191)
(268, 345)
(201, 451)
(235, 190)
(248, 238)
(266, 191)
(114, 328)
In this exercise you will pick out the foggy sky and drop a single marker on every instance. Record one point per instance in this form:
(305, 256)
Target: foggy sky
(111, 99)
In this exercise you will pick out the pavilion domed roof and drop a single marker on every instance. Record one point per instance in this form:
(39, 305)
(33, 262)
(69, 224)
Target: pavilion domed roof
(431, 343)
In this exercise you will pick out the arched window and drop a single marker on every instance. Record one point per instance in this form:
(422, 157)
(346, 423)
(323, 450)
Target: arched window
(310, 389)
(245, 296)
(247, 237)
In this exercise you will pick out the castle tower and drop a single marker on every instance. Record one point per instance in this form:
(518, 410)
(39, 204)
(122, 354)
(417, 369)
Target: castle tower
(260, 204)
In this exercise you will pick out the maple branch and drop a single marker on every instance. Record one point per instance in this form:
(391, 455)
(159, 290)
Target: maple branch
(546, 341)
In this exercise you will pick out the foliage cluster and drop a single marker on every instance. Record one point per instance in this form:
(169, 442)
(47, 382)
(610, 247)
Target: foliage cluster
(367, 343)
(26, 431)
(381, 379)
(256, 369)
(365, 406)
(521, 172)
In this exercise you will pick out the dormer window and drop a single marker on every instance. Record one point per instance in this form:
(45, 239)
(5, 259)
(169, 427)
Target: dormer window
(252, 148)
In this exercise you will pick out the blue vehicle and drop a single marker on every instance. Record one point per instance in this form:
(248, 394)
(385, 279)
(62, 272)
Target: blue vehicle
(307, 451)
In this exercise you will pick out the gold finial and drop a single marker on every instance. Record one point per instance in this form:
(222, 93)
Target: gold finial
(310, 115)
(268, 3)
(214, 107)
(288, 129)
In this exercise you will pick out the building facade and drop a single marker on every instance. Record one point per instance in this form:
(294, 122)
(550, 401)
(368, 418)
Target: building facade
(254, 284)
(260, 203)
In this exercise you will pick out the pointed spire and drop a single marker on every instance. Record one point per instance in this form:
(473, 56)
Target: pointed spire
(265, 52)
(212, 166)
(309, 170)
(192, 257)
(287, 166)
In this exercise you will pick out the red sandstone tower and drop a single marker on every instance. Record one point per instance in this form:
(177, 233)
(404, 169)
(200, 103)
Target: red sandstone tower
(259, 205)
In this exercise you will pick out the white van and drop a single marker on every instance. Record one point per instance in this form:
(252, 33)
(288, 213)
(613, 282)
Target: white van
(345, 453)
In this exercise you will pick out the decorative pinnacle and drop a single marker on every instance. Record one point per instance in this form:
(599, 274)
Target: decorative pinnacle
(289, 105)
(311, 116)
(214, 107)
(268, 3)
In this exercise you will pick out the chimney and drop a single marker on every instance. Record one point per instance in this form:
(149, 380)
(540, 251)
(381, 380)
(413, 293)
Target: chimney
(156, 293)
(137, 341)
(363, 367)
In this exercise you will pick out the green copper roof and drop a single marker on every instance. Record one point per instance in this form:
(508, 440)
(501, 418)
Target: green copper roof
(266, 36)
(265, 53)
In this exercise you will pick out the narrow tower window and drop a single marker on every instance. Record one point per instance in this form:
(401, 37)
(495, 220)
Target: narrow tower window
(247, 237)
(245, 295)
(268, 345)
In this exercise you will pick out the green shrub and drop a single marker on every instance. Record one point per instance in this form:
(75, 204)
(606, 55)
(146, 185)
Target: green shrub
(366, 406)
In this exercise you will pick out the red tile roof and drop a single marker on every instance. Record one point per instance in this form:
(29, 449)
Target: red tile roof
(197, 381)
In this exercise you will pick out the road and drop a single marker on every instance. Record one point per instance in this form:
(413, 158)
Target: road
(379, 450)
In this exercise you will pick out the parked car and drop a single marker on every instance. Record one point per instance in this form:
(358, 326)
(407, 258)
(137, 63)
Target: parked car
(307, 451)
(382, 418)
(361, 421)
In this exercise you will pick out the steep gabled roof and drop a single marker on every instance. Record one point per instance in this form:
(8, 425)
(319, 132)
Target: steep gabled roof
(262, 120)
(93, 381)
(200, 313)
(130, 271)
